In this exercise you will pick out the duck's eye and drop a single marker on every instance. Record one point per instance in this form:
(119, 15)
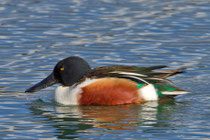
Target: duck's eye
(61, 69)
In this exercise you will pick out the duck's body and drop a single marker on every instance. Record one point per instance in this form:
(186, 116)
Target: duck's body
(109, 85)
(102, 91)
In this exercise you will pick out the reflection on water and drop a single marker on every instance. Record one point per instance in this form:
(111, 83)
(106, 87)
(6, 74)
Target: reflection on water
(70, 121)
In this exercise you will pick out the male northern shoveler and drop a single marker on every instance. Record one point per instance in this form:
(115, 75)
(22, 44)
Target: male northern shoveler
(108, 85)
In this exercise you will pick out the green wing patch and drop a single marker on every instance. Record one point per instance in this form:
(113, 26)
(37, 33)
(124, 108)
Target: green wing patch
(165, 87)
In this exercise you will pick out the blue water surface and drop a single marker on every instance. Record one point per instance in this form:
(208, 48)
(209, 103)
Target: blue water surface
(36, 34)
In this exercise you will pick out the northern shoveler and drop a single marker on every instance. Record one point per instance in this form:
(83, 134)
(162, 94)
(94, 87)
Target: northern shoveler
(108, 85)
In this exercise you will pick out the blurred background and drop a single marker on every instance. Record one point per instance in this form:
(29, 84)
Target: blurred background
(36, 34)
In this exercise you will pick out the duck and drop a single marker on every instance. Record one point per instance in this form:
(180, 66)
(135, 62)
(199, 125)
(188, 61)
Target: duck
(109, 85)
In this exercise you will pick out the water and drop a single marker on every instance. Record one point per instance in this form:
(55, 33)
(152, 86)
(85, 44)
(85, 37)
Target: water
(35, 34)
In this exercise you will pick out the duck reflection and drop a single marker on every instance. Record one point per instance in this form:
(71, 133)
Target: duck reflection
(72, 120)
(125, 117)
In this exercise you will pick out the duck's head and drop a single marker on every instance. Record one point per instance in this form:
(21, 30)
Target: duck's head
(67, 72)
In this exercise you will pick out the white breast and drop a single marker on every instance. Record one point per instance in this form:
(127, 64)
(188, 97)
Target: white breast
(71, 95)
(64, 95)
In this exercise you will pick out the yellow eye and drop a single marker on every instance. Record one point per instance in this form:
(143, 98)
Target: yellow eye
(61, 69)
